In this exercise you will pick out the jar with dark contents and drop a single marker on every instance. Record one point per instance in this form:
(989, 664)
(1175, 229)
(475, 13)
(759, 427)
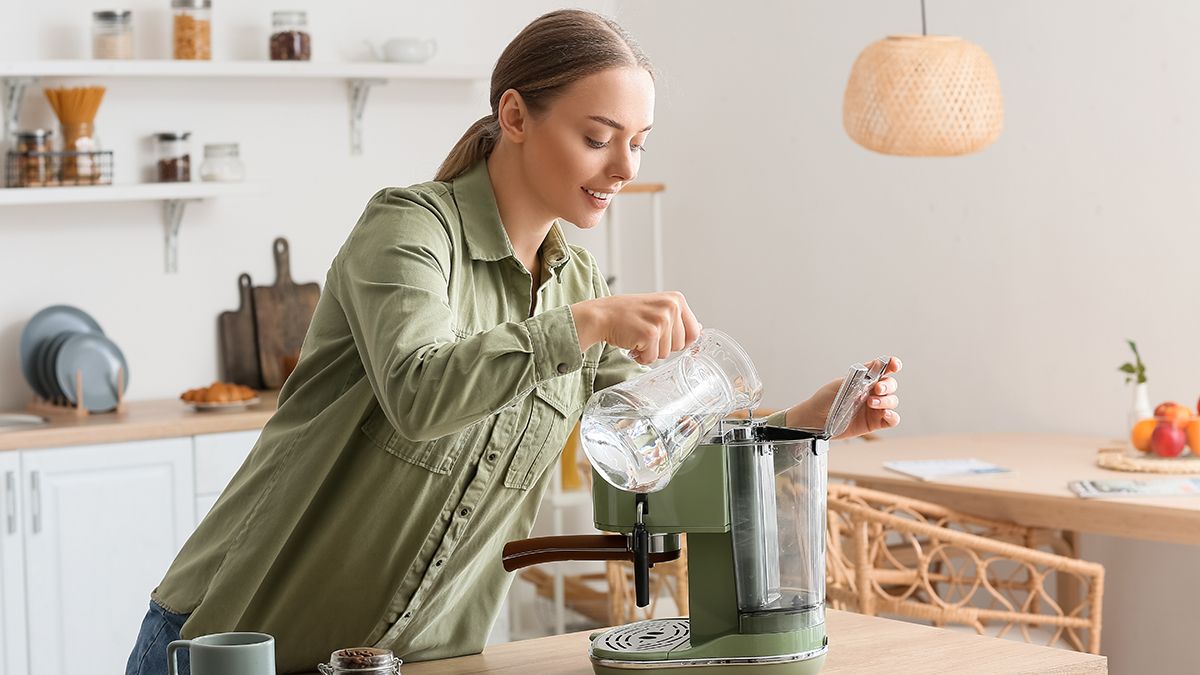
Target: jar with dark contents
(290, 40)
(174, 156)
(29, 164)
(361, 661)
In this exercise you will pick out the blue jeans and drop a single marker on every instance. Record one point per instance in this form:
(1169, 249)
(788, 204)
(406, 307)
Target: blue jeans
(149, 656)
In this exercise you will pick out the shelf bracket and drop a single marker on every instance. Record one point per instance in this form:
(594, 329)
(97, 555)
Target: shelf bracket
(14, 92)
(359, 88)
(172, 217)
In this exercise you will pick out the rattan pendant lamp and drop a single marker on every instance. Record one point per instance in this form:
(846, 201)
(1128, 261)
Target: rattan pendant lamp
(923, 96)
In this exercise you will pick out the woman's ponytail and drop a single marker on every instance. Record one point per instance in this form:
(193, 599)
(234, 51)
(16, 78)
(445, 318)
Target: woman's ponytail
(475, 144)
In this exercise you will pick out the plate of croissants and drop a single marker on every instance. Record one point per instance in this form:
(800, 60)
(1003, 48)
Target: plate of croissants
(220, 396)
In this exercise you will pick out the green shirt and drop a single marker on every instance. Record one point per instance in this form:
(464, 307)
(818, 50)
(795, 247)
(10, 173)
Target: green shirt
(412, 440)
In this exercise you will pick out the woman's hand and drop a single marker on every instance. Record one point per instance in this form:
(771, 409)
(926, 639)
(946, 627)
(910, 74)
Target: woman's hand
(879, 411)
(649, 325)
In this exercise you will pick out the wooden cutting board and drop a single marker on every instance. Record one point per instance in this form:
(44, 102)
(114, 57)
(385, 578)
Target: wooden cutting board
(281, 314)
(238, 339)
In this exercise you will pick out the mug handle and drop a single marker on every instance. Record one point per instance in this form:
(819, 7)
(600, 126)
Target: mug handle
(172, 665)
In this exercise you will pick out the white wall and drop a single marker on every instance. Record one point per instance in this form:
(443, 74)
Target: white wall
(1007, 281)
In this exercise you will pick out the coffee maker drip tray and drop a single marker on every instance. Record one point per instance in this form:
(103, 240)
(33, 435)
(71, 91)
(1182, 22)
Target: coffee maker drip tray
(663, 644)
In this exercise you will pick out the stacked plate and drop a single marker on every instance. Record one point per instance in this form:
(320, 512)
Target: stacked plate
(62, 343)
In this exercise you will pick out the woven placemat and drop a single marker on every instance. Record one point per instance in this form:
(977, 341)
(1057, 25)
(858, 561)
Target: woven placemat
(1119, 460)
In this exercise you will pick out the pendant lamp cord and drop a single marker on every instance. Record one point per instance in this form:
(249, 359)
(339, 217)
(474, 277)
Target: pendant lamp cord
(923, 18)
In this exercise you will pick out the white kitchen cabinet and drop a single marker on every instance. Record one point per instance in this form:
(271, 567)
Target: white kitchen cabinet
(12, 569)
(218, 458)
(101, 525)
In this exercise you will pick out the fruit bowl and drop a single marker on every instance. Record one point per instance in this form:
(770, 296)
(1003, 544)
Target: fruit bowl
(1173, 435)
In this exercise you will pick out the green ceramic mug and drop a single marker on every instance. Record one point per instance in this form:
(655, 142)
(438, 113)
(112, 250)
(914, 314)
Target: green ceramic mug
(226, 654)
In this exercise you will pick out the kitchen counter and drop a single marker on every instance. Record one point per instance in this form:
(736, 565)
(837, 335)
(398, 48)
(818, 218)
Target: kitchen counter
(141, 420)
(857, 644)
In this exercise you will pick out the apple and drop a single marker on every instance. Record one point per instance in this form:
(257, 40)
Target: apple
(1168, 440)
(1173, 412)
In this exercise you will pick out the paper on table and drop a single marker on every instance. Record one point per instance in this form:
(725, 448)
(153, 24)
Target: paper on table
(932, 469)
(1131, 487)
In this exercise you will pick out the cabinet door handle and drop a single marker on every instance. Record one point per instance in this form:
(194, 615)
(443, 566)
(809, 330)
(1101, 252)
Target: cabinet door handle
(10, 497)
(35, 487)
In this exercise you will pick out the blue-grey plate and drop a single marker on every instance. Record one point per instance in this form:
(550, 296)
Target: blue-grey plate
(47, 355)
(46, 324)
(99, 360)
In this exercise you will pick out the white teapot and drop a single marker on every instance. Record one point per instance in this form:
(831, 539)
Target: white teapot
(405, 50)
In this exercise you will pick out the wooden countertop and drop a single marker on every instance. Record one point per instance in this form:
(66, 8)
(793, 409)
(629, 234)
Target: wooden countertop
(141, 420)
(857, 644)
(1035, 494)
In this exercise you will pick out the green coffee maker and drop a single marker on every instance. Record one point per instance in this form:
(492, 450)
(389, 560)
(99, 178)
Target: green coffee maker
(748, 496)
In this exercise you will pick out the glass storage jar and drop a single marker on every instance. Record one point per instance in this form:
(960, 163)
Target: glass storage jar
(29, 163)
(361, 661)
(221, 163)
(192, 28)
(173, 152)
(112, 34)
(290, 40)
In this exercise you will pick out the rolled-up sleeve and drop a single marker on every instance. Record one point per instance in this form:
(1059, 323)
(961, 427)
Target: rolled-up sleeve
(392, 279)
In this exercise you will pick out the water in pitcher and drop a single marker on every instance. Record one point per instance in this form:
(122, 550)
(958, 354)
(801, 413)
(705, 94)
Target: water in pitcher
(638, 432)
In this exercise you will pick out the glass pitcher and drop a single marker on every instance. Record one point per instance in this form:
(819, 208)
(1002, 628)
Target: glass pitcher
(637, 432)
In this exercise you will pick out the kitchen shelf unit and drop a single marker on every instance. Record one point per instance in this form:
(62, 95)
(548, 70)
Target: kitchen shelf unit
(174, 197)
(17, 76)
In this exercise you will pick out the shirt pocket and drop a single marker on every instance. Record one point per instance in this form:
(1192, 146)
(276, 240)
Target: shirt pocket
(556, 406)
(437, 455)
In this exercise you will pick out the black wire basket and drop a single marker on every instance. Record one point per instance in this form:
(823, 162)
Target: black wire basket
(53, 169)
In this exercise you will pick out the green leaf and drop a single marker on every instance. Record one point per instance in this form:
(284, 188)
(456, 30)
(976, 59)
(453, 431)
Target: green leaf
(1127, 368)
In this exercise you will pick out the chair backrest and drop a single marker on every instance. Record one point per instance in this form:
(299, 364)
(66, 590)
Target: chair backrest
(892, 555)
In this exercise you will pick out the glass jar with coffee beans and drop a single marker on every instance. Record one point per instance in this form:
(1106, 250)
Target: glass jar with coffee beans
(173, 151)
(290, 40)
(361, 661)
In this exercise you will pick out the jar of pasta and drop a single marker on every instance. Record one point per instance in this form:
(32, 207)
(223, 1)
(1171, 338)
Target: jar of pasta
(192, 28)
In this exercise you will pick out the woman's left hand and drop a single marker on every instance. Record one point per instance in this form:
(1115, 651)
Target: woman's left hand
(878, 412)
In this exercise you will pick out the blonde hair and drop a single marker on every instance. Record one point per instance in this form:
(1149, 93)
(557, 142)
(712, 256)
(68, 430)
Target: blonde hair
(552, 52)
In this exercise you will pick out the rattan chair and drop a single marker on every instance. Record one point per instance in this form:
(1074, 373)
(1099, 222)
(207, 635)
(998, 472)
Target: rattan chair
(894, 556)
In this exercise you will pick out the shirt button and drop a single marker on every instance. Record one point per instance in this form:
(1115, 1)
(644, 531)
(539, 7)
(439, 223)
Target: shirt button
(466, 511)
(407, 615)
(491, 457)
(438, 563)
(563, 368)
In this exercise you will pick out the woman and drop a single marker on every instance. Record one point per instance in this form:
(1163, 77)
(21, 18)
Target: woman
(455, 343)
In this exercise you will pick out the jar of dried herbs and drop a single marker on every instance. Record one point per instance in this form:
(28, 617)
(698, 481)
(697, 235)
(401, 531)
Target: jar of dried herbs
(361, 661)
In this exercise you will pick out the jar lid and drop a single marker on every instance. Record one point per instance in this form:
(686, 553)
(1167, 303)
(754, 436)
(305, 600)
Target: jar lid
(116, 15)
(289, 16)
(191, 4)
(220, 149)
(173, 135)
(33, 133)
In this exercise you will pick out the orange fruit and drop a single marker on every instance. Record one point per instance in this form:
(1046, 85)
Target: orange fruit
(1140, 436)
(1193, 436)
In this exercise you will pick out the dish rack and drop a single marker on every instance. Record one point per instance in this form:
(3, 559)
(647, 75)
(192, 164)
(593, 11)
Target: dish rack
(53, 169)
(64, 406)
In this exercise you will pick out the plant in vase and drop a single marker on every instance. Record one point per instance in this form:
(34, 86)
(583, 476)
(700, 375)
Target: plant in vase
(1135, 372)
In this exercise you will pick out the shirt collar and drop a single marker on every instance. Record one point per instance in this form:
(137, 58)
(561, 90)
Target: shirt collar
(485, 235)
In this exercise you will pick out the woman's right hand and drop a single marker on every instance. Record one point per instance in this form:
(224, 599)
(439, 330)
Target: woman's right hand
(649, 325)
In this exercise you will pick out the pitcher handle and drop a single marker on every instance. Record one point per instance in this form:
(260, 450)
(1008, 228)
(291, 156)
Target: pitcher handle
(172, 649)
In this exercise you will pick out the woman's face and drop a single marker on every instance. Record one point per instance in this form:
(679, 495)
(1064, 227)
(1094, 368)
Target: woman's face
(588, 144)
